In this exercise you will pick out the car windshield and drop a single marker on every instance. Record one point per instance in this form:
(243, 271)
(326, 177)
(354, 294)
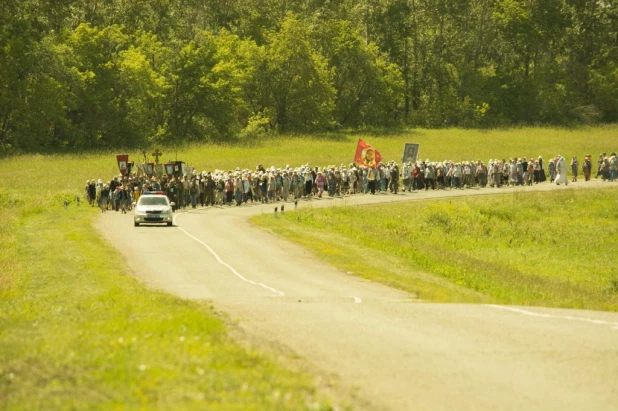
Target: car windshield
(153, 201)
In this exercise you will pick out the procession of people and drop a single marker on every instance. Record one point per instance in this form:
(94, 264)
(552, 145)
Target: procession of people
(266, 185)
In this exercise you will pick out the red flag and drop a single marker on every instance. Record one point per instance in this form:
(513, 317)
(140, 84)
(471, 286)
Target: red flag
(366, 154)
(123, 163)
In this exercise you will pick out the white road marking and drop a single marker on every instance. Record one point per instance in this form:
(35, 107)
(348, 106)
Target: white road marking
(357, 300)
(223, 263)
(563, 317)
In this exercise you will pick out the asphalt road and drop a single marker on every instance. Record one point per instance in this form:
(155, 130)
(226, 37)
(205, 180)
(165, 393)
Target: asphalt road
(380, 346)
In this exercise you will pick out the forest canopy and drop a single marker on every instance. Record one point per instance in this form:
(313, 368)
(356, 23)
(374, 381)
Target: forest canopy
(114, 73)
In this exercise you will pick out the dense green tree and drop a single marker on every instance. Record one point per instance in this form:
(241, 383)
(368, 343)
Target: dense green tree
(290, 82)
(93, 73)
(368, 87)
(31, 98)
(202, 100)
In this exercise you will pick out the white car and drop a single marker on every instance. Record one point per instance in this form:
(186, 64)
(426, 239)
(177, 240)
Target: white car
(153, 207)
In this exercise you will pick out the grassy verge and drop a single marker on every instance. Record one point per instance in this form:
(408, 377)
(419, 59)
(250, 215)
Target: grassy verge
(554, 249)
(78, 333)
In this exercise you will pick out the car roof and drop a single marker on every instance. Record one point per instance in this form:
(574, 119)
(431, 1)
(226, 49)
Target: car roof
(153, 196)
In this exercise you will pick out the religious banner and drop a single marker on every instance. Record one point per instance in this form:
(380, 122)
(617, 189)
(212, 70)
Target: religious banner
(159, 169)
(410, 152)
(130, 166)
(149, 168)
(179, 168)
(366, 154)
(123, 163)
(169, 169)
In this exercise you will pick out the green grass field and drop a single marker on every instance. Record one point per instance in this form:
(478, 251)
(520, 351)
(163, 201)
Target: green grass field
(554, 249)
(78, 331)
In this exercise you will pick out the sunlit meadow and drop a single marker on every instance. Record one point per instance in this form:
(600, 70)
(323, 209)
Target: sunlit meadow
(77, 331)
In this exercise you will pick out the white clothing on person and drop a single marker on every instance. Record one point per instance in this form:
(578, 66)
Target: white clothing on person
(561, 169)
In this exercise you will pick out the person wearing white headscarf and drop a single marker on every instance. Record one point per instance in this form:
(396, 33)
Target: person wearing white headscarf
(561, 171)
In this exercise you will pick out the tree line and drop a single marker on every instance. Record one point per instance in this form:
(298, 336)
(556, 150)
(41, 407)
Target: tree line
(116, 73)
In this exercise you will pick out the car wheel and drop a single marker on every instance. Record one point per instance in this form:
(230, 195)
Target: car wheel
(169, 224)
(136, 224)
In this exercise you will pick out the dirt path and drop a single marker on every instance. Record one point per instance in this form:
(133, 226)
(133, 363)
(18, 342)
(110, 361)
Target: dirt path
(381, 344)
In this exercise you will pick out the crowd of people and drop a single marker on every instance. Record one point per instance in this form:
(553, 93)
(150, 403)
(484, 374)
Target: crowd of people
(264, 185)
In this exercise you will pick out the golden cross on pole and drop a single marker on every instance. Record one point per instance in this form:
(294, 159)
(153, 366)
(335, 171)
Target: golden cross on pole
(156, 154)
